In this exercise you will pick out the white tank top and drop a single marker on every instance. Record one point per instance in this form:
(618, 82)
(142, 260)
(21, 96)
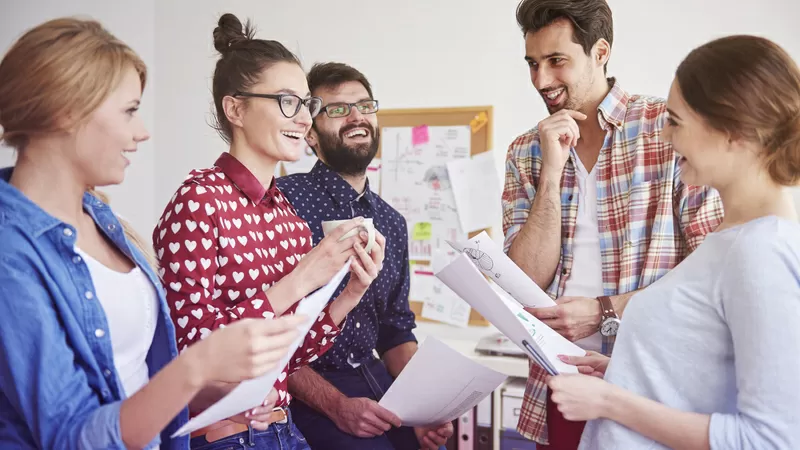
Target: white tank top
(130, 304)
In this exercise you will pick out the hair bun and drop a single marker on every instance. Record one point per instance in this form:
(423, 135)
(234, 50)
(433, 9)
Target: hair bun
(229, 32)
(784, 153)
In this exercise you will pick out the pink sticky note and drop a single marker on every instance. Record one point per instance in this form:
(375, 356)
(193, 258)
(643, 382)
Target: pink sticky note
(419, 135)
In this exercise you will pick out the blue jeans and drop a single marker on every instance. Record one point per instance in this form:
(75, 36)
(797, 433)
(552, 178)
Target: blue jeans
(279, 436)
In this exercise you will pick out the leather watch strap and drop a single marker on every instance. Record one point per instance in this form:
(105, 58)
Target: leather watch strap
(607, 307)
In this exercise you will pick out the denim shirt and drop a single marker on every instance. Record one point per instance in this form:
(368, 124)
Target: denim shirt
(58, 384)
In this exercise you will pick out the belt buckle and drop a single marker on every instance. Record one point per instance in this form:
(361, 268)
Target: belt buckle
(285, 416)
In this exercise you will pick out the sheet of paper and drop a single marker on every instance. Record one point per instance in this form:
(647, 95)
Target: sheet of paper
(439, 302)
(252, 393)
(415, 182)
(421, 283)
(539, 341)
(302, 165)
(493, 262)
(476, 187)
(439, 385)
(374, 175)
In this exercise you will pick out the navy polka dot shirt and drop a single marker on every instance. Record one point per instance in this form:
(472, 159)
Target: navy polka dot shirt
(383, 318)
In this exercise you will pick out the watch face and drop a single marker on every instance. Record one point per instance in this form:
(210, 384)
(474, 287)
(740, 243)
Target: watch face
(610, 327)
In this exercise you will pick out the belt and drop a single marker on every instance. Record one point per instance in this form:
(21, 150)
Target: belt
(226, 428)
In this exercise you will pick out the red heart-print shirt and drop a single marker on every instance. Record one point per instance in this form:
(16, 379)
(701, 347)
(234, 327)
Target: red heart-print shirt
(221, 242)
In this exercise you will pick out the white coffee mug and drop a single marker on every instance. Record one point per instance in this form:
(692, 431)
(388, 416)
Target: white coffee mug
(366, 225)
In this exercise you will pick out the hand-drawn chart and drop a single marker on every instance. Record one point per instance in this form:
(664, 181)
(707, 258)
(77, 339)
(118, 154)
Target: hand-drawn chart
(415, 182)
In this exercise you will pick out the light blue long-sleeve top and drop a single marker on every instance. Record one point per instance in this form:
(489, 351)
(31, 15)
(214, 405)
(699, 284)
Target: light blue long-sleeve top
(718, 335)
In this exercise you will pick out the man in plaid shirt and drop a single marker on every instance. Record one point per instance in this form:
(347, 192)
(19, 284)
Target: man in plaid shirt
(593, 205)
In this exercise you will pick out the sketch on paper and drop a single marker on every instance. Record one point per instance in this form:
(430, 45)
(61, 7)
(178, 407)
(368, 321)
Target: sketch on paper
(483, 260)
(415, 182)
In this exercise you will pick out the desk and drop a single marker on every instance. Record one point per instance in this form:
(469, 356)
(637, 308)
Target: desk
(464, 340)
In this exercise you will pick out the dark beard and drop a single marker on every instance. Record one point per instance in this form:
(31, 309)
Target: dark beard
(347, 160)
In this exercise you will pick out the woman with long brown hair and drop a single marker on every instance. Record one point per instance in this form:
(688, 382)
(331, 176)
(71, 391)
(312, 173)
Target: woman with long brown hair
(87, 351)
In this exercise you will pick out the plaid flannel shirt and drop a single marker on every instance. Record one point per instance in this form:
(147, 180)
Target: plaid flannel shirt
(648, 219)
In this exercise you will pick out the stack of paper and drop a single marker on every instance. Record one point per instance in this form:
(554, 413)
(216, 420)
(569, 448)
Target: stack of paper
(251, 393)
(438, 385)
(539, 341)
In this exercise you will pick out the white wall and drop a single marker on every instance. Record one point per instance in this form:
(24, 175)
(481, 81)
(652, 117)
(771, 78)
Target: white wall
(427, 54)
(134, 24)
(416, 54)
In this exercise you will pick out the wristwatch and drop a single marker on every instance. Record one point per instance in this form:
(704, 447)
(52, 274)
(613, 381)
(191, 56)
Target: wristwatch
(609, 322)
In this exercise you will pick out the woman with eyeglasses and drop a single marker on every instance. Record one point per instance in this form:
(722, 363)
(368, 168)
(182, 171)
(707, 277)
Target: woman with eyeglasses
(232, 247)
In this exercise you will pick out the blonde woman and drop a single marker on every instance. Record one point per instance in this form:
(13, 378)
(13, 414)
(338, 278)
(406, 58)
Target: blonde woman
(87, 349)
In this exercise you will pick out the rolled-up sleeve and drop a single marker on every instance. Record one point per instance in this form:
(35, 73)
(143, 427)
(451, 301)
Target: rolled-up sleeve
(39, 373)
(518, 191)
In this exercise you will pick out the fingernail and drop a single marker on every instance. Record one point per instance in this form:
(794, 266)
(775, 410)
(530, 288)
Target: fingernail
(252, 423)
(359, 219)
(253, 412)
(364, 234)
(563, 358)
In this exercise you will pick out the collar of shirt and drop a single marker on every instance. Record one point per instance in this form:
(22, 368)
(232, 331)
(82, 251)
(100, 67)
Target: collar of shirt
(339, 189)
(245, 180)
(37, 243)
(614, 107)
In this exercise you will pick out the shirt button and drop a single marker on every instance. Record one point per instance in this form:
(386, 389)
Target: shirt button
(106, 394)
(99, 333)
(76, 259)
(564, 271)
(111, 227)
(67, 232)
(88, 295)
(570, 197)
(107, 373)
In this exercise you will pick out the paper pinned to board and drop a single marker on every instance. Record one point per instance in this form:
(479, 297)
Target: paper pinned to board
(490, 259)
(476, 187)
(422, 395)
(478, 122)
(541, 343)
(374, 175)
(251, 393)
(422, 231)
(421, 282)
(420, 135)
(414, 181)
(439, 302)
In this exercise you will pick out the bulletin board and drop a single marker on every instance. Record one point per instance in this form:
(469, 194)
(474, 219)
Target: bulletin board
(478, 118)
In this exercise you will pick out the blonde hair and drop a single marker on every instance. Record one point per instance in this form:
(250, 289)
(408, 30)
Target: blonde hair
(54, 76)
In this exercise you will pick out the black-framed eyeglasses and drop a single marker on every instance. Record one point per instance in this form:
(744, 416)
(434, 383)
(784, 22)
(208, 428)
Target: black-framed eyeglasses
(290, 104)
(336, 110)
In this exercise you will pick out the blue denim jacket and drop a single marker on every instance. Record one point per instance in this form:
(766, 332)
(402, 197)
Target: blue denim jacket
(58, 384)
